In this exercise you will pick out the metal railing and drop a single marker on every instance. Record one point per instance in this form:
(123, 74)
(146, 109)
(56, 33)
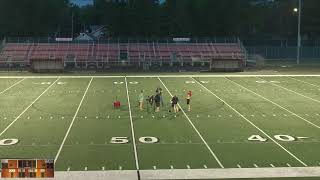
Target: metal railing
(149, 51)
(285, 52)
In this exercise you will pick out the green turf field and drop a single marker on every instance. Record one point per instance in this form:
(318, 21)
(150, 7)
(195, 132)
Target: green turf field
(72, 120)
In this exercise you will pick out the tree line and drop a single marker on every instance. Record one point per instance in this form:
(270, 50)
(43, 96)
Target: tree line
(146, 18)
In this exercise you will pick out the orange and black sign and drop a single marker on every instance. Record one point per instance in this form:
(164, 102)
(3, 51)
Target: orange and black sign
(27, 168)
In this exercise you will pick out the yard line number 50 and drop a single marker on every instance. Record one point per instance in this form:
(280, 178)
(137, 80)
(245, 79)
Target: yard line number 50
(125, 140)
(114, 140)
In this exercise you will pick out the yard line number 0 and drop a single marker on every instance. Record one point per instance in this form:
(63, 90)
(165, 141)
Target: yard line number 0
(8, 142)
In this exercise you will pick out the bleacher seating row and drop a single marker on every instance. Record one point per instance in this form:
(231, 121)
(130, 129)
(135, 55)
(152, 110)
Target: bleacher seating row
(133, 52)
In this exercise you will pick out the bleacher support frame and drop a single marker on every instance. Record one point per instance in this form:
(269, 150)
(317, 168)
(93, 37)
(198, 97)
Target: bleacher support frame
(141, 54)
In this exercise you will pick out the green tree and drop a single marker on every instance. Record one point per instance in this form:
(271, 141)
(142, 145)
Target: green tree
(36, 17)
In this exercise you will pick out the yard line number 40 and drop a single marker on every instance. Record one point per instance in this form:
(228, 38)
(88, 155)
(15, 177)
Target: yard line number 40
(285, 138)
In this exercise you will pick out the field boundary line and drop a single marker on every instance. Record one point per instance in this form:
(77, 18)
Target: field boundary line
(287, 89)
(276, 104)
(194, 127)
(155, 76)
(132, 131)
(267, 135)
(305, 82)
(231, 173)
(92, 175)
(28, 107)
(16, 83)
(71, 124)
(170, 174)
(161, 144)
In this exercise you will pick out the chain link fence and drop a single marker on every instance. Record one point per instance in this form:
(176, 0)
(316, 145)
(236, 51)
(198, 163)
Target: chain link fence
(282, 52)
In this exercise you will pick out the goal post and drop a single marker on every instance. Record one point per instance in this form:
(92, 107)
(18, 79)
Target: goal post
(47, 65)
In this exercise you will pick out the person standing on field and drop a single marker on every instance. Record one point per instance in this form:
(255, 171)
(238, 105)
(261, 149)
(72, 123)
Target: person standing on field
(189, 94)
(141, 99)
(150, 101)
(159, 91)
(174, 103)
(157, 100)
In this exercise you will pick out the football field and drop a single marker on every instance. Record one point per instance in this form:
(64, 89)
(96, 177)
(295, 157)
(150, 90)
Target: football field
(236, 121)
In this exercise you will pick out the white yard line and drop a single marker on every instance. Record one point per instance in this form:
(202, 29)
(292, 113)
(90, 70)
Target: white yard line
(28, 107)
(267, 135)
(203, 140)
(132, 131)
(304, 82)
(292, 91)
(275, 104)
(71, 124)
(18, 82)
(155, 76)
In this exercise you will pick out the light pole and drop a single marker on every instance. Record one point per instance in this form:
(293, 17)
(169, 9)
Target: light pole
(299, 31)
(72, 27)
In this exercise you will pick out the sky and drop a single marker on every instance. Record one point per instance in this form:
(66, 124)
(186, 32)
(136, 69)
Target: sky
(82, 2)
(86, 2)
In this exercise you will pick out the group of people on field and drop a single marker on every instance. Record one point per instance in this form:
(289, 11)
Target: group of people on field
(156, 101)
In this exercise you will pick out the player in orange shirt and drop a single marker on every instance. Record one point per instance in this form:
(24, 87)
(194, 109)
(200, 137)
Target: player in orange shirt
(189, 94)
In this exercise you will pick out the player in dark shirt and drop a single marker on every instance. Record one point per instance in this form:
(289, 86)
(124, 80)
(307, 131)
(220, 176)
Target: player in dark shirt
(159, 91)
(157, 100)
(174, 103)
(150, 100)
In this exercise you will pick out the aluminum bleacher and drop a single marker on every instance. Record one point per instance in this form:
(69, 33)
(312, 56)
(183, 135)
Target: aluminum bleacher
(125, 53)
